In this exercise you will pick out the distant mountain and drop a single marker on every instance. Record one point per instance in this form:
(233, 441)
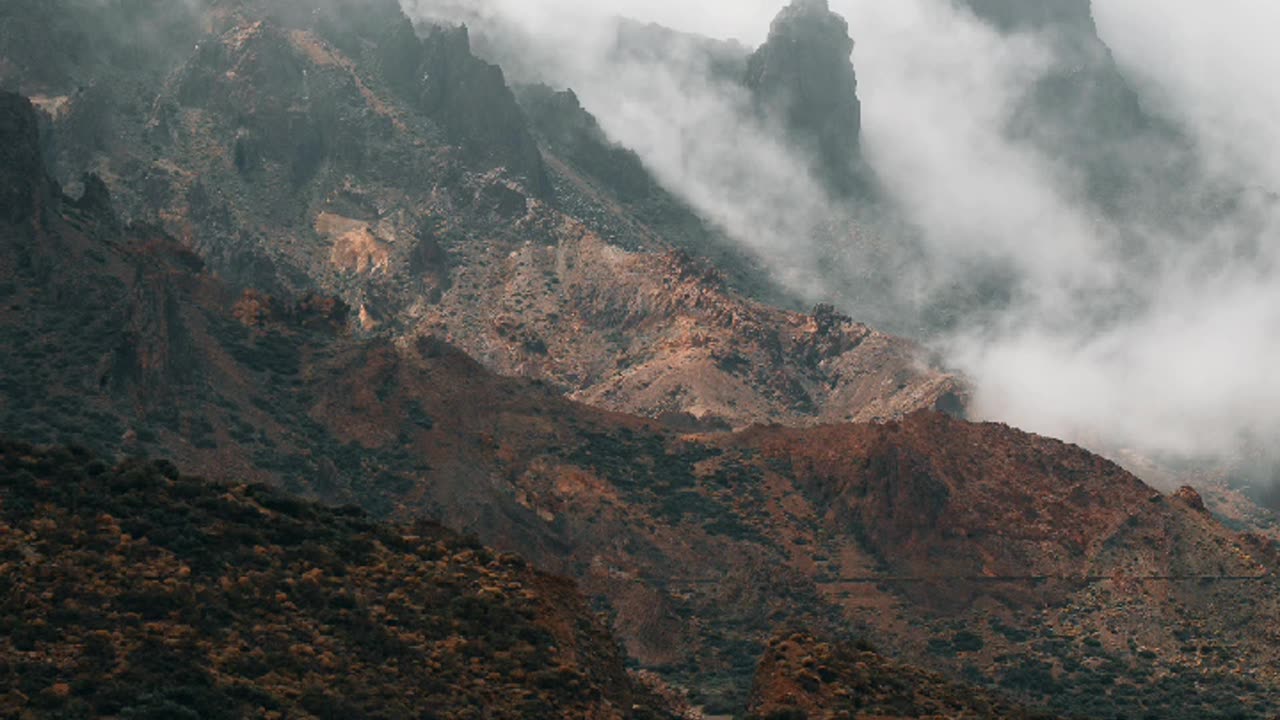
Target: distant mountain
(1090, 119)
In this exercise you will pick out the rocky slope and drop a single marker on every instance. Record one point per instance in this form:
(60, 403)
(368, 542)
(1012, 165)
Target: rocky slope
(801, 677)
(966, 548)
(971, 549)
(299, 151)
(134, 591)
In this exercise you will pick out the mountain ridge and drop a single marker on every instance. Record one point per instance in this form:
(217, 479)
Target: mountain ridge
(356, 357)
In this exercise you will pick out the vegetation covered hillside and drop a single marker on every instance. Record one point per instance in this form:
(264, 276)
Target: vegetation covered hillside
(135, 592)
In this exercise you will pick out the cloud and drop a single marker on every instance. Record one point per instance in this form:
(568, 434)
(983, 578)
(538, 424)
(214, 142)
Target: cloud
(1153, 329)
(1211, 65)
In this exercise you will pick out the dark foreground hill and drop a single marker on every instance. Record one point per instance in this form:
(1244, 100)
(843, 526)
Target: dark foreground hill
(132, 591)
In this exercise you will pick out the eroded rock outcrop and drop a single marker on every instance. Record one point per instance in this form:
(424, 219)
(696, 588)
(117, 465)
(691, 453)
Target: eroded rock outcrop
(21, 169)
(470, 99)
(803, 77)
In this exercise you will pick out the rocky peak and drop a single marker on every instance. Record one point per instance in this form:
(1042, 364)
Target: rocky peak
(1084, 109)
(472, 102)
(1022, 15)
(803, 77)
(21, 167)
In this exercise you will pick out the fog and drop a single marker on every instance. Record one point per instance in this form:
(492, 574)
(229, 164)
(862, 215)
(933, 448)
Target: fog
(1152, 330)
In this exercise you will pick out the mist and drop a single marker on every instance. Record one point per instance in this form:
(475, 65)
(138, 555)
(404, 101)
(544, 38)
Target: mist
(1151, 330)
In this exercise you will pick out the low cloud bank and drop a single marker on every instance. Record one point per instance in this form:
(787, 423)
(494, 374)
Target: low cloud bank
(1153, 328)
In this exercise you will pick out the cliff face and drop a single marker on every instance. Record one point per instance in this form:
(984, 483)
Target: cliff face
(1085, 113)
(803, 77)
(1016, 15)
(475, 104)
(21, 167)
(801, 676)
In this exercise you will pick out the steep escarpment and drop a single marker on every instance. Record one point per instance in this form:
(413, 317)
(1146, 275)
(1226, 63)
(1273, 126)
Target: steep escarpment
(608, 188)
(467, 96)
(803, 77)
(132, 590)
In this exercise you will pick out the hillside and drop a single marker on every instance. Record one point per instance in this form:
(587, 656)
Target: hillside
(801, 677)
(965, 548)
(134, 591)
(320, 250)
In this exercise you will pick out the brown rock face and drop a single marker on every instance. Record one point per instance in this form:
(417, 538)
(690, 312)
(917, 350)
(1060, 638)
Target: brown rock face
(803, 76)
(1191, 498)
(803, 677)
(661, 335)
(935, 495)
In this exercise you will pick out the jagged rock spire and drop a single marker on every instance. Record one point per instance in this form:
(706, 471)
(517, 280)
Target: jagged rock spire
(21, 168)
(803, 77)
(1031, 15)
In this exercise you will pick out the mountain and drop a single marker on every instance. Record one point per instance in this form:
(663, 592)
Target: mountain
(1087, 115)
(697, 546)
(134, 591)
(803, 75)
(298, 267)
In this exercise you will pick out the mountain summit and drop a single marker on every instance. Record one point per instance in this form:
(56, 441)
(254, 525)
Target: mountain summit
(1023, 15)
(803, 77)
